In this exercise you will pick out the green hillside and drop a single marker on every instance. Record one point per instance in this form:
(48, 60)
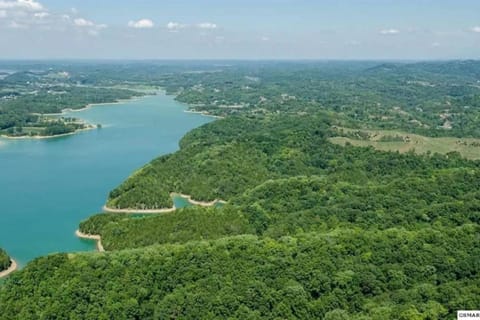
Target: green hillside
(342, 274)
(311, 229)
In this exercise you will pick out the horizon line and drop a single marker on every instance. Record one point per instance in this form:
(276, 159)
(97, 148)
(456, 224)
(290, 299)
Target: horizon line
(239, 59)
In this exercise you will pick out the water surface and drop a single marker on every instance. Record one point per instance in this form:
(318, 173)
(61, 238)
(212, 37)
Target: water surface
(48, 186)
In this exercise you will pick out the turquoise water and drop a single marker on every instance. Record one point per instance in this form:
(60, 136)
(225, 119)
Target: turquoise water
(181, 202)
(48, 186)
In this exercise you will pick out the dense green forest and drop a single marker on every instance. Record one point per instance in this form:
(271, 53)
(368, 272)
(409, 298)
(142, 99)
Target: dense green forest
(4, 260)
(311, 230)
(341, 274)
(121, 231)
(224, 159)
(446, 198)
(357, 233)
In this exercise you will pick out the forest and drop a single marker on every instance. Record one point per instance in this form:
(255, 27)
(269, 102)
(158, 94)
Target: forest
(225, 158)
(345, 273)
(310, 230)
(333, 233)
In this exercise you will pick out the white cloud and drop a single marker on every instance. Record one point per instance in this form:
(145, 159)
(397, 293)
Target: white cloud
(20, 12)
(41, 15)
(389, 31)
(88, 26)
(175, 26)
(30, 5)
(265, 38)
(25, 14)
(141, 24)
(476, 29)
(80, 22)
(436, 44)
(207, 25)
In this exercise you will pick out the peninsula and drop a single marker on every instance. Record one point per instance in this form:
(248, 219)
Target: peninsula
(34, 109)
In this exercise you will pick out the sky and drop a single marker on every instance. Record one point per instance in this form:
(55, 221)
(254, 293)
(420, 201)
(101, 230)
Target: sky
(240, 29)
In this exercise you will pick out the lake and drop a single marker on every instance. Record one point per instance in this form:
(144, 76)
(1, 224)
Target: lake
(48, 186)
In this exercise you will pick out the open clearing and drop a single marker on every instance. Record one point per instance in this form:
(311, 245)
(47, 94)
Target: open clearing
(391, 140)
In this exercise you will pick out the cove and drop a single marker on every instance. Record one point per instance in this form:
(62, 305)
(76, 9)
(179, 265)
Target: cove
(182, 202)
(48, 186)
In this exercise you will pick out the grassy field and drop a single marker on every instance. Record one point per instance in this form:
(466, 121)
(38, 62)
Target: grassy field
(390, 140)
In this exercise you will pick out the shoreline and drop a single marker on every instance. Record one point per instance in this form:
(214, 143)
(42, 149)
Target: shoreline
(92, 127)
(196, 202)
(13, 267)
(69, 110)
(88, 128)
(107, 209)
(203, 113)
(92, 105)
(190, 108)
(96, 237)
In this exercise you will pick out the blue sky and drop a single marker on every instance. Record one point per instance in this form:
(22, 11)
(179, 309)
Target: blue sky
(234, 29)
